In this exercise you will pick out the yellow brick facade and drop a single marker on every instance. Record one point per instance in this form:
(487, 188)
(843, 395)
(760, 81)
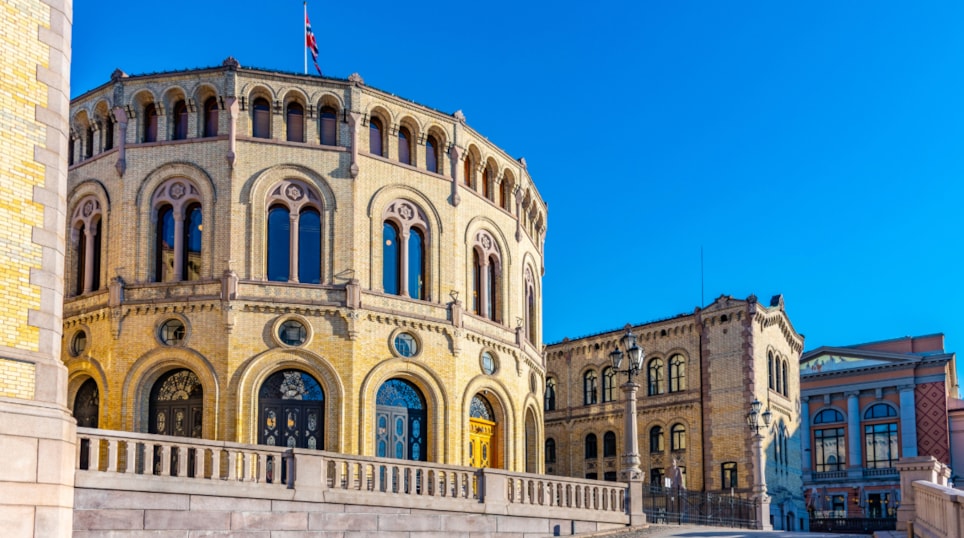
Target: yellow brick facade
(230, 309)
(725, 349)
(17, 379)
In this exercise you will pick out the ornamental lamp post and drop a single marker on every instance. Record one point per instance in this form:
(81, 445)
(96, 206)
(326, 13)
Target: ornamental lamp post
(629, 471)
(753, 419)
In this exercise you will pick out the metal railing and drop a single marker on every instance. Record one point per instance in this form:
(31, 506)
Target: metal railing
(852, 525)
(674, 506)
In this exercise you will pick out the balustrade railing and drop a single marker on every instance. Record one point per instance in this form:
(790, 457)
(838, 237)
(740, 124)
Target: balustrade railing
(396, 477)
(563, 492)
(939, 510)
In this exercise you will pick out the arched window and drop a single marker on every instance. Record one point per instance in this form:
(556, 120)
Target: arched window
(178, 232)
(375, 136)
(180, 121)
(656, 442)
(164, 245)
(193, 227)
(150, 123)
(404, 250)
(677, 437)
(589, 388)
(778, 376)
(108, 132)
(530, 306)
(87, 405)
(550, 450)
(786, 388)
(291, 411)
(592, 447)
(609, 445)
(86, 226)
(468, 168)
(89, 143)
(431, 154)
(295, 122)
(770, 382)
(261, 127)
(550, 396)
(486, 187)
(404, 148)
(329, 126)
(487, 277)
(294, 233)
(878, 411)
(654, 377)
(677, 373)
(503, 198)
(609, 384)
(211, 117)
(829, 450)
(828, 416)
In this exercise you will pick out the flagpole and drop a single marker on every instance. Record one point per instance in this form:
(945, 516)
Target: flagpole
(305, 40)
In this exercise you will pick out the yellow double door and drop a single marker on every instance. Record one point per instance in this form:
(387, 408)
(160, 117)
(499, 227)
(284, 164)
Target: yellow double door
(483, 449)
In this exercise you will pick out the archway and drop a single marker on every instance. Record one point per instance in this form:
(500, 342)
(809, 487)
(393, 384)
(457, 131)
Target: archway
(291, 411)
(400, 428)
(483, 434)
(176, 405)
(87, 405)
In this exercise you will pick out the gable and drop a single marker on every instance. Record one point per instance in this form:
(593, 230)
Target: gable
(829, 362)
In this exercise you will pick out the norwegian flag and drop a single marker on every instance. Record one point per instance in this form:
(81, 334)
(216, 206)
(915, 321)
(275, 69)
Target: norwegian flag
(310, 40)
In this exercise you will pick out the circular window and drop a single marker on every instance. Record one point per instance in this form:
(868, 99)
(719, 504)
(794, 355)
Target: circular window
(292, 333)
(172, 332)
(406, 345)
(79, 343)
(488, 363)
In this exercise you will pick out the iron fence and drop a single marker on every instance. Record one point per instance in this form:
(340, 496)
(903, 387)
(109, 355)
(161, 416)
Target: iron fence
(852, 525)
(673, 506)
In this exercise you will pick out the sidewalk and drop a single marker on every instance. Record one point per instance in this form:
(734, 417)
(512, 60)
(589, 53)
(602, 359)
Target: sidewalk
(700, 531)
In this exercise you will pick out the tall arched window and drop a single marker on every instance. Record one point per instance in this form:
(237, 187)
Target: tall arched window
(89, 143)
(503, 198)
(550, 396)
(770, 382)
(778, 376)
(404, 250)
(829, 450)
(550, 450)
(329, 126)
(654, 377)
(178, 232)
(677, 373)
(431, 154)
(881, 441)
(656, 442)
(589, 388)
(108, 132)
(786, 389)
(180, 121)
(468, 168)
(486, 187)
(404, 145)
(609, 384)
(375, 136)
(530, 306)
(211, 116)
(150, 123)
(493, 281)
(86, 226)
(592, 447)
(295, 122)
(261, 126)
(294, 233)
(609, 445)
(677, 437)
(391, 259)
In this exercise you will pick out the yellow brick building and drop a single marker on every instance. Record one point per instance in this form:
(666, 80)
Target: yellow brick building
(274, 258)
(700, 373)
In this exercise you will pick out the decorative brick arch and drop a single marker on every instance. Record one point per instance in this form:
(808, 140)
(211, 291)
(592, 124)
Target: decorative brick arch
(508, 418)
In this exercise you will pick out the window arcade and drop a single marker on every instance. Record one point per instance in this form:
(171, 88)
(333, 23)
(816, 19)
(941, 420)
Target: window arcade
(178, 231)
(86, 233)
(486, 277)
(405, 250)
(294, 233)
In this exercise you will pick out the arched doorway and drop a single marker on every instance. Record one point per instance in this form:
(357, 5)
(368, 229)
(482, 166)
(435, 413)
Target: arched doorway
(86, 411)
(176, 405)
(291, 411)
(400, 421)
(483, 434)
(532, 461)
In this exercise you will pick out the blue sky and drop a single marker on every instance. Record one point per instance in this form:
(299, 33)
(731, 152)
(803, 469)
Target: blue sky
(812, 149)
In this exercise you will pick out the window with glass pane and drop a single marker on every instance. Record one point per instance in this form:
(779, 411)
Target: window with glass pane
(279, 244)
(786, 387)
(550, 396)
(677, 373)
(656, 476)
(262, 118)
(150, 123)
(406, 345)
(770, 370)
(192, 240)
(329, 126)
(391, 259)
(879, 411)
(609, 384)
(476, 283)
(295, 122)
(828, 416)
(375, 136)
(729, 478)
(550, 450)
(592, 447)
(431, 157)
(589, 388)
(655, 377)
(881, 445)
(609, 445)
(292, 333)
(172, 332)
(309, 246)
(656, 443)
(164, 245)
(108, 133)
(416, 264)
(678, 437)
(828, 449)
(493, 302)
(211, 117)
(180, 121)
(404, 150)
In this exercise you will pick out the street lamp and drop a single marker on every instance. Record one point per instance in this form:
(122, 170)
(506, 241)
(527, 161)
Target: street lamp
(753, 419)
(629, 471)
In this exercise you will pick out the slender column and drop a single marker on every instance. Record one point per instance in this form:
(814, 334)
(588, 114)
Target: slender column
(88, 258)
(233, 109)
(403, 261)
(630, 460)
(908, 428)
(354, 119)
(454, 163)
(293, 247)
(178, 246)
(806, 458)
(760, 485)
(121, 118)
(853, 431)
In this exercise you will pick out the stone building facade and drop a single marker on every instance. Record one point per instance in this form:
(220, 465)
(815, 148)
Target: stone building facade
(37, 433)
(273, 258)
(699, 375)
(864, 407)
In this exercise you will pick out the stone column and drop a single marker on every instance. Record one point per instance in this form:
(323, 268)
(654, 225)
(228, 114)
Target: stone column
(908, 422)
(293, 247)
(760, 485)
(484, 288)
(855, 461)
(233, 109)
(88, 258)
(630, 461)
(178, 246)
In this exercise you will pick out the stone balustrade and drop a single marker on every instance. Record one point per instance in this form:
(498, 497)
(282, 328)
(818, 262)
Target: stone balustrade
(939, 511)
